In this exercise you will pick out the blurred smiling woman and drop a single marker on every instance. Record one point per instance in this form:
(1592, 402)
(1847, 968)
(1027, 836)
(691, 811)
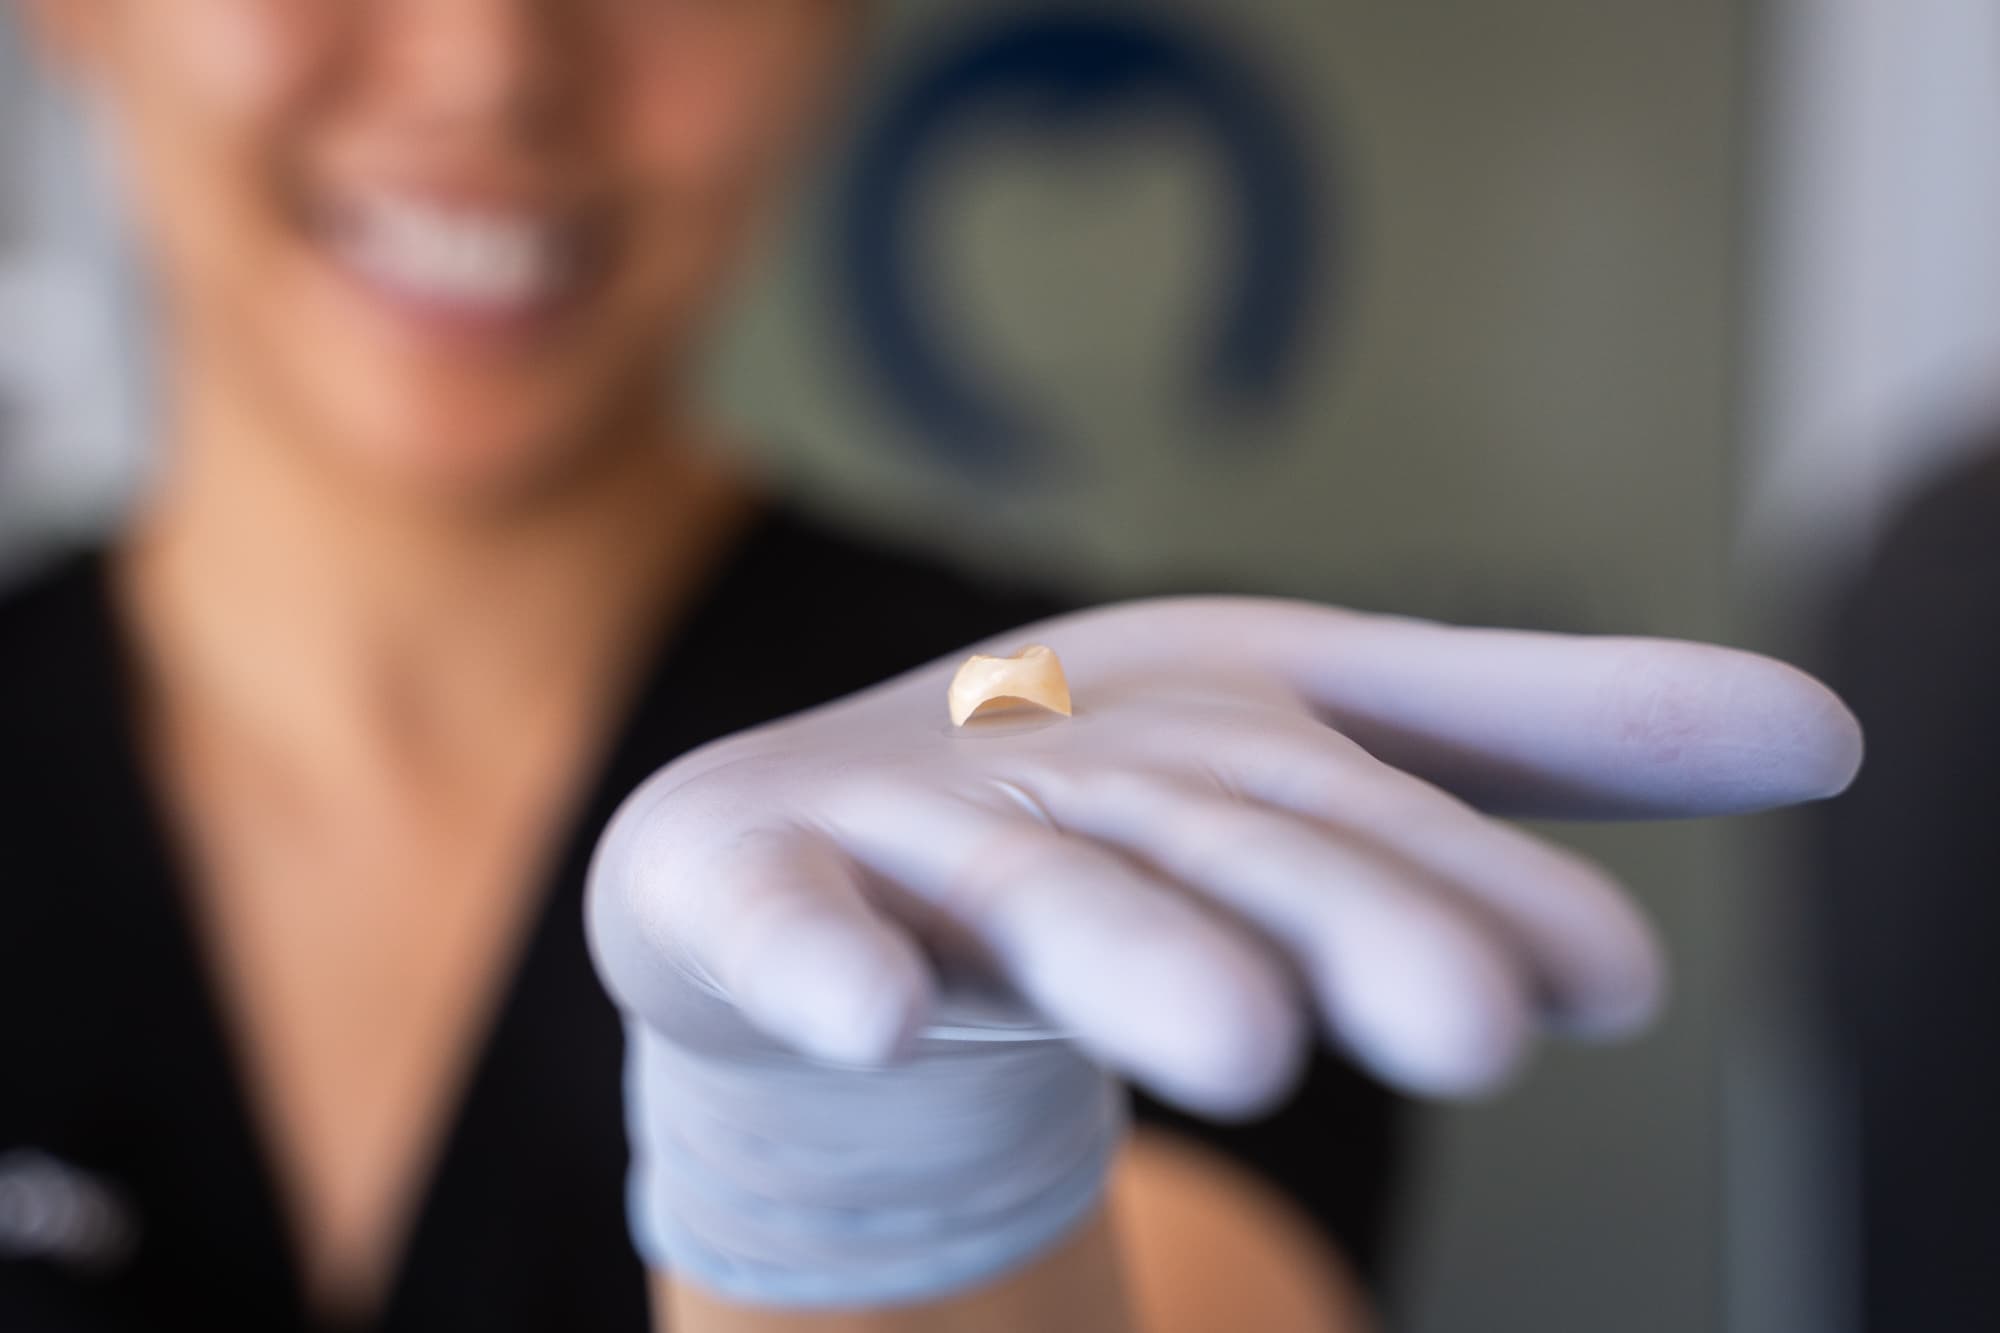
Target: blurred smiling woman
(301, 778)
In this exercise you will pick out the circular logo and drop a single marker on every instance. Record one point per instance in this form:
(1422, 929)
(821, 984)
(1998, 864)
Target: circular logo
(1060, 73)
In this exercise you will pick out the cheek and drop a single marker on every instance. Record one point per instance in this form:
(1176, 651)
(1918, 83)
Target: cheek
(237, 63)
(700, 152)
(709, 135)
(203, 93)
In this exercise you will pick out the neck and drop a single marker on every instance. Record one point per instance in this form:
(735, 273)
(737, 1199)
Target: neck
(329, 621)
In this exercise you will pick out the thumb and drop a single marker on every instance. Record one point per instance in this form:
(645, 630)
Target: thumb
(775, 926)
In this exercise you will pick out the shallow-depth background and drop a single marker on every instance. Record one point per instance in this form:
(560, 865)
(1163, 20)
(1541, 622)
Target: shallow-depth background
(1596, 316)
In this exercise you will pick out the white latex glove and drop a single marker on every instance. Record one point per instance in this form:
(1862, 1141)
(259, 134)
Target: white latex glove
(1263, 820)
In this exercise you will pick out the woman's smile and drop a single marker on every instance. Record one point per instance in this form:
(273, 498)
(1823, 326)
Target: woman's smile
(456, 266)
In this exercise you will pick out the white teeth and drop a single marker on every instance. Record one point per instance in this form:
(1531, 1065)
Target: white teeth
(485, 260)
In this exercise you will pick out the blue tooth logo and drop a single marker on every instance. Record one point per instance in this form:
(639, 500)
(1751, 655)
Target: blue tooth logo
(1058, 72)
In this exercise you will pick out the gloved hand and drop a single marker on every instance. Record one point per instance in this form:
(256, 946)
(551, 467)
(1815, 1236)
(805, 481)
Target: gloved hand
(1264, 819)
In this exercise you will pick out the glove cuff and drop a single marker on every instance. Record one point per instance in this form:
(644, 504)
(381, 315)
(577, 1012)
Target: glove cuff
(782, 1184)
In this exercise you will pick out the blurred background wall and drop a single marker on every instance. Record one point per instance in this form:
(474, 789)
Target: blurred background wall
(1872, 297)
(1536, 311)
(71, 394)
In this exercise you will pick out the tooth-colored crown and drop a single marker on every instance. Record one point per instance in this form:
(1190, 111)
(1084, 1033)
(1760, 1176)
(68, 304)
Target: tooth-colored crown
(1031, 676)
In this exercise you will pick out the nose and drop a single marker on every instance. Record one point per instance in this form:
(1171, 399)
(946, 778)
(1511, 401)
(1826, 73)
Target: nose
(474, 66)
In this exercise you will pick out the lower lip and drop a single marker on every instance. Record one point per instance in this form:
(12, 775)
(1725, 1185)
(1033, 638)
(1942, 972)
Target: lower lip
(463, 323)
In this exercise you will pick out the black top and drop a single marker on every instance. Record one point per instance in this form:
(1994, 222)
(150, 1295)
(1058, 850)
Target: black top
(119, 1092)
(1909, 890)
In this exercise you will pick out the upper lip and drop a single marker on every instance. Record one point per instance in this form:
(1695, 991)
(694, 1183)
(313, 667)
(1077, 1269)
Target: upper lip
(541, 208)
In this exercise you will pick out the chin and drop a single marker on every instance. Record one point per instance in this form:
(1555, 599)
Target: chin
(484, 458)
